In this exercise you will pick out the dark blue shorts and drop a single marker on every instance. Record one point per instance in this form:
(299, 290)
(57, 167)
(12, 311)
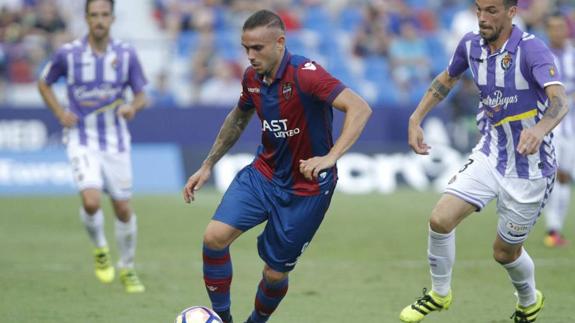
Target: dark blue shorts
(292, 220)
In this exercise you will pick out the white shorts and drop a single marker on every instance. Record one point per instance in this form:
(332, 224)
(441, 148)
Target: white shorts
(565, 152)
(110, 172)
(519, 201)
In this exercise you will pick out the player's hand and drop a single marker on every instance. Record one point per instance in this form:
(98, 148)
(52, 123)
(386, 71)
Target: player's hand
(415, 139)
(127, 111)
(68, 119)
(530, 140)
(310, 168)
(195, 182)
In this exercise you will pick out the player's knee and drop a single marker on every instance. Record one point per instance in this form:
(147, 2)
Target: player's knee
(272, 276)
(439, 224)
(214, 241)
(91, 205)
(505, 255)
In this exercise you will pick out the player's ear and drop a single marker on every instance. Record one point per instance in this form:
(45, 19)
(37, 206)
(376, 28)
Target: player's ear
(281, 41)
(512, 12)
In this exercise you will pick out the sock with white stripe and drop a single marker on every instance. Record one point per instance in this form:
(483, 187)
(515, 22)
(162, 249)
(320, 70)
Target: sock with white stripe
(94, 225)
(441, 256)
(522, 274)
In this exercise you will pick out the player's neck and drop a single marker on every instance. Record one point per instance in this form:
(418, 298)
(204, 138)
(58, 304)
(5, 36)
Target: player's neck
(99, 46)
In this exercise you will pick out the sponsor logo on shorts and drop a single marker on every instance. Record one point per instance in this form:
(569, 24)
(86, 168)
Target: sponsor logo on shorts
(517, 230)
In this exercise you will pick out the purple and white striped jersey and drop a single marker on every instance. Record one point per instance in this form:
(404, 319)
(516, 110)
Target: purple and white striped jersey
(511, 83)
(96, 85)
(565, 60)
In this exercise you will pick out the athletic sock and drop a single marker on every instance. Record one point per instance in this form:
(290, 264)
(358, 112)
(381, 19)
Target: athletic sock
(441, 256)
(94, 225)
(218, 274)
(268, 297)
(522, 274)
(126, 234)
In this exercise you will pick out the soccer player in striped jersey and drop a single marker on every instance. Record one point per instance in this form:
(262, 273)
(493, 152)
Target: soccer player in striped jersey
(291, 181)
(521, 100)
(97, 70)
(564, 135)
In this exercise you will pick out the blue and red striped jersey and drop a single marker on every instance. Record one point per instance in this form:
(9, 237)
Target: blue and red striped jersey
(296, 118)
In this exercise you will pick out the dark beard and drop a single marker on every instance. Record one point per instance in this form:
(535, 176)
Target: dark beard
(492, 38)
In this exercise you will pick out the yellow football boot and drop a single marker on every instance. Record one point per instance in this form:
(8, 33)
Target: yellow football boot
(424, 305)
(131, 282)
(103, 266)
(529, 314)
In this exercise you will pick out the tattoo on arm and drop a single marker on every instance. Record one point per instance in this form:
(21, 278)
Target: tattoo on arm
(556, 106)
(230, 132)
(438, 90)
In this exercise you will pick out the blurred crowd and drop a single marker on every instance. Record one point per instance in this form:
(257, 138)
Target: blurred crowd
(387, 50)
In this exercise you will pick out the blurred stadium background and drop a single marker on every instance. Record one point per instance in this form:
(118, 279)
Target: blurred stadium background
(387, 50)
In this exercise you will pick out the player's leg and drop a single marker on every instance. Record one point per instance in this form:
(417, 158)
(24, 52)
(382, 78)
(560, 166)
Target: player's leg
(519, 205)
(126, 232)
(241, 208)
(468, 191)
(558, 204)
(271, 290)
(117, 170)
(86, 171)
(556, 210)
(521, 271)
(292, 223)
(447, 214)
(217, 265)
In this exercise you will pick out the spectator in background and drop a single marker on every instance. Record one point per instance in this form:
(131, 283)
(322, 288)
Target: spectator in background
(372, 37)
(201, 62)
(533, 12)
(409, 58)
(161, 95)
(223, 87)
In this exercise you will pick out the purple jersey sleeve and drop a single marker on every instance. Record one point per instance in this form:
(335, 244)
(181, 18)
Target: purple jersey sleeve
(459, 62)
(315, 80)
(136, 78)
(541, 63)
(56, 67)
(245, 102)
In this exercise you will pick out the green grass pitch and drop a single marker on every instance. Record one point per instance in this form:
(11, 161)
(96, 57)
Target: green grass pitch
(366, 263)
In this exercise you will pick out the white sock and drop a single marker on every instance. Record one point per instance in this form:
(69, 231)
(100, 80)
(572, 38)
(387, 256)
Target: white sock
(94, 225)
(522, 274)
(557, 206)
(441, 256)
(126, 239)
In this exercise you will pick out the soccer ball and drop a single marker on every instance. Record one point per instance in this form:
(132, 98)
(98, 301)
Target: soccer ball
(198, 314)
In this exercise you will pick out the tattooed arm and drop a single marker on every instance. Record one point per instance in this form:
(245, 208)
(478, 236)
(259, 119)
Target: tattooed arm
(531, 138)
(438, 90)
(230, 132)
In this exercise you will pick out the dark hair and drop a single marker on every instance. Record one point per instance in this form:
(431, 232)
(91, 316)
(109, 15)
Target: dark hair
(509, 3)
(264, 18)
(89, 1)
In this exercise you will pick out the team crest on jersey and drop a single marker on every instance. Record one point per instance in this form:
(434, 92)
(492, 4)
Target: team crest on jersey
(287, 90)
(506, 62)
(552, 71)
(114, 63)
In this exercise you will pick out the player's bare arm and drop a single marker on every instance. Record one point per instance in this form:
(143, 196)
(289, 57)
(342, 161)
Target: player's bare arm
(531, 138)
(230, 132)
(437, 91)
(66, 118)
(357, 112)
(128, 111)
